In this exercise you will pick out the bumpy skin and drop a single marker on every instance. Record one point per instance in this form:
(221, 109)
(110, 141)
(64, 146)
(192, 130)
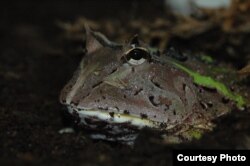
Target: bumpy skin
(156, 91)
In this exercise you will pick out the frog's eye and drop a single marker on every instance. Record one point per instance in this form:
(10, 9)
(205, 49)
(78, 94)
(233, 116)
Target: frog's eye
(136, 56)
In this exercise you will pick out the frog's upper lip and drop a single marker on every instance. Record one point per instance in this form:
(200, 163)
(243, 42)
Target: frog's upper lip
(112, 117)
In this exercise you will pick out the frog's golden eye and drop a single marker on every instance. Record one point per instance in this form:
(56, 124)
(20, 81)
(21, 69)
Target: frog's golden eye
(136, 56)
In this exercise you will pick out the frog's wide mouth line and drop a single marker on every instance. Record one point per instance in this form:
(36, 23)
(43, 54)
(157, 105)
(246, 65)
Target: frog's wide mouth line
(118, 118)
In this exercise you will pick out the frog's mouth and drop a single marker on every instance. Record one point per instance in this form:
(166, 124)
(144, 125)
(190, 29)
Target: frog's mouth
(111, 126)
(114, 118)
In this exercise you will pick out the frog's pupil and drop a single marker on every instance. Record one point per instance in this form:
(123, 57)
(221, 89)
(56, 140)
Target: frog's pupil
(137, 54)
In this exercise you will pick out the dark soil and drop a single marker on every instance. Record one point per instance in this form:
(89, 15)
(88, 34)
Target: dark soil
(33, 69)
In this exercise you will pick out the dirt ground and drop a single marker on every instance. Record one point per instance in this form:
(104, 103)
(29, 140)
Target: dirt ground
(36, 62)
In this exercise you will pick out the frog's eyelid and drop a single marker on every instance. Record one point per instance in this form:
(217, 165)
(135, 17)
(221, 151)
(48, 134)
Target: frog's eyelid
(136, 62)
(140, 48)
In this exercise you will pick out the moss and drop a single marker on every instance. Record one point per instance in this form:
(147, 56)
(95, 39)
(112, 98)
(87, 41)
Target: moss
(197, 134)
(207, 59)
(209, 82)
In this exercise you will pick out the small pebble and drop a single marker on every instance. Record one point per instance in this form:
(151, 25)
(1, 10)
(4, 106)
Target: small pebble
(66, 130)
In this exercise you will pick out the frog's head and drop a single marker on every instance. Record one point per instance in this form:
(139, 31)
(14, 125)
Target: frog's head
(127, 84)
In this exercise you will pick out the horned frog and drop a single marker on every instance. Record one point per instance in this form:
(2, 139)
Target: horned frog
(119, 89)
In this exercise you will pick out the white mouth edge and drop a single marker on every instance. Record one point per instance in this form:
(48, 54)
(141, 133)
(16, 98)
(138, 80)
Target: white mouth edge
(117, 118)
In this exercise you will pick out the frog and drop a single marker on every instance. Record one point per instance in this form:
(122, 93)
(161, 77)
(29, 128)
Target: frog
(120, 89)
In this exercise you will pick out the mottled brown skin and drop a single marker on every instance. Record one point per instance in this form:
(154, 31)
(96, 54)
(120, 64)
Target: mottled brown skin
(154, 90)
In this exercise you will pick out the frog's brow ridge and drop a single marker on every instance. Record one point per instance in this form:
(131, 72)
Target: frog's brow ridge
(105, 41)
